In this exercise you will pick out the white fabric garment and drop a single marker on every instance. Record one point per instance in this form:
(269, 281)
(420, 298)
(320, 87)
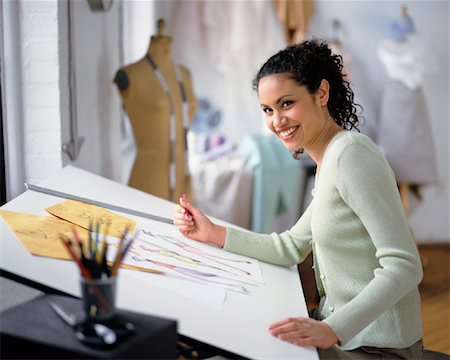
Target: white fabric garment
(223, 189)
(408, 61)
(224, 43)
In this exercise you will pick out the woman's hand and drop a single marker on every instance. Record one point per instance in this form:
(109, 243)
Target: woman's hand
(193, 224)
(304, 332)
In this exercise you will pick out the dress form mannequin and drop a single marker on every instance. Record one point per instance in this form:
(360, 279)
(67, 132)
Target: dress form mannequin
(151, 92)
(405, 133)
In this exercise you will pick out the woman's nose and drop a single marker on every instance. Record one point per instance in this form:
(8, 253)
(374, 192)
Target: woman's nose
(279, 119)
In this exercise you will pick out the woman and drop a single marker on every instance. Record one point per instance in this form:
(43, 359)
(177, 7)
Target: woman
(366, 262)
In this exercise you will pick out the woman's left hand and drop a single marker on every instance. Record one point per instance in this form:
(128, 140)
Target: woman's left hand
(304, 332)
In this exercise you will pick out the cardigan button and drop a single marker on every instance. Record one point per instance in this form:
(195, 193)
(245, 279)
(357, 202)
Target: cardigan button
(322, 276)
(331, 308)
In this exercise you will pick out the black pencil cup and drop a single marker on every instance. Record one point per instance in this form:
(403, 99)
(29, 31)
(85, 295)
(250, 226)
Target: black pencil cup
(99, 298)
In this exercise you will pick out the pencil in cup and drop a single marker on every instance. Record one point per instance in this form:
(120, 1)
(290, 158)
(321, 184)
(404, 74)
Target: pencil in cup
(90, 290)
(98, 280)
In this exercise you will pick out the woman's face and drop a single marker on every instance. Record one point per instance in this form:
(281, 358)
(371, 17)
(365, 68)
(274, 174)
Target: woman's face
(290, 111)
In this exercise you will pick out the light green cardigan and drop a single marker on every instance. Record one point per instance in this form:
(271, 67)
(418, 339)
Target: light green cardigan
(366, 261)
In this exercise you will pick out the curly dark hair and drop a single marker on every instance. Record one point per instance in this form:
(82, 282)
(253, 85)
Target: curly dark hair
(308, 63)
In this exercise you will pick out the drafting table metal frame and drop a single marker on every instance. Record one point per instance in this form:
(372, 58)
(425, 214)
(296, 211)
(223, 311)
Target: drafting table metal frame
(240, 327)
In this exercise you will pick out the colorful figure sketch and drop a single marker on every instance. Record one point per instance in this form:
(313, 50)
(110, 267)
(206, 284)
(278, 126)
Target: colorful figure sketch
(196, 275)
(174, 256)
(189, 248)
(175, 249)
(225, 266)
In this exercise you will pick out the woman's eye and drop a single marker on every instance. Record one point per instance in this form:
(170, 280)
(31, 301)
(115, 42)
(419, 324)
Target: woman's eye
(267, 110)
(286, 103)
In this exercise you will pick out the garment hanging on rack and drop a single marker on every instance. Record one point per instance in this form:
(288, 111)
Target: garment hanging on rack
(295, 16)
(223, 189)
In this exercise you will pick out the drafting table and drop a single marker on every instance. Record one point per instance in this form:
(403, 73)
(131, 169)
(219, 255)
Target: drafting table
(239, 327)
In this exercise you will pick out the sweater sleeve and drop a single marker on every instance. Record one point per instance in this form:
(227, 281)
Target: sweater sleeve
(288, 248)
(367, 184)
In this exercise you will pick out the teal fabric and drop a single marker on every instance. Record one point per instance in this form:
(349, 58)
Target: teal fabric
(276, 178)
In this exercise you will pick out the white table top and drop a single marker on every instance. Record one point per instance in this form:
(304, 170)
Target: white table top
(239, 327)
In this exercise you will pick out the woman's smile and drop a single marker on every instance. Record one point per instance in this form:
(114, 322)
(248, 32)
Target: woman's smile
(288, 134)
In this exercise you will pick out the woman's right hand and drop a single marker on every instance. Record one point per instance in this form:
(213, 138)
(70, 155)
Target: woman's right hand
(192, 223)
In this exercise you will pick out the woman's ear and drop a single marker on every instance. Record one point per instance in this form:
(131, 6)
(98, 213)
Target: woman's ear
(323, 93)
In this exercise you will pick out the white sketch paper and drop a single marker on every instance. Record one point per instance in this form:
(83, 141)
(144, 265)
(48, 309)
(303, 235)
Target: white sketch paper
(159, 246)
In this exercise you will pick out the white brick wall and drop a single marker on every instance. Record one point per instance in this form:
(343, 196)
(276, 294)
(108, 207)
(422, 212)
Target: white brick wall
(39, 99)
(39, 40)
